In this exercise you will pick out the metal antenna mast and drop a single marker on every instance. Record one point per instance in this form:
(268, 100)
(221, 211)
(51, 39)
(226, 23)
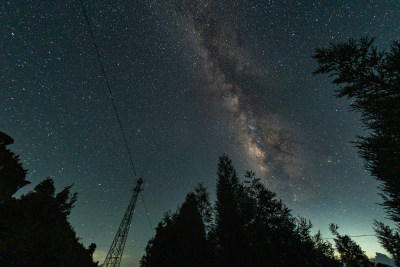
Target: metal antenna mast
(114, 255)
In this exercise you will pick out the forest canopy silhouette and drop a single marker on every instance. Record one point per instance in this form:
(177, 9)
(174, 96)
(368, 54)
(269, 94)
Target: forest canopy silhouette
(247, 225)
(370, 78)
(34, 228)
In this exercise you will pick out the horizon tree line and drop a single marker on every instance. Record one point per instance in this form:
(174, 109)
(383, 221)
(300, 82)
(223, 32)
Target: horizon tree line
(247, 225)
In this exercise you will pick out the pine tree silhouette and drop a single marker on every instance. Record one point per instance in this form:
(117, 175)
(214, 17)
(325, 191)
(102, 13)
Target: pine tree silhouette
(370, 78)
(36, 226)
(250, 227)
(12, 174)
(180, 238)
(350, 252)
(34, 229)
(230, 224)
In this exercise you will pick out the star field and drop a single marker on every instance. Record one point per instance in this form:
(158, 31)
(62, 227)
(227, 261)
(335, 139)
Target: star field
(191, 80)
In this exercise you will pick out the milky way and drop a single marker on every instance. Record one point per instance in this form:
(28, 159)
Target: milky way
(231, 77)
(191, 79)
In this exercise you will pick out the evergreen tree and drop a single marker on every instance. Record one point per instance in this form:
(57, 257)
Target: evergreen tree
(204, 206)
(159, 251)
(371, 79)
(12, 174)
(389, 239)
(279, 239)
(251, 227)
(324, 253)
(180, 239)
(350, 252)
(271, 231)
(35, 231)
(254, 228)
(232, 244)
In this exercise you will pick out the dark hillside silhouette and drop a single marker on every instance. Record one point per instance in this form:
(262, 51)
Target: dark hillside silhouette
(371, 79)
(34, 229)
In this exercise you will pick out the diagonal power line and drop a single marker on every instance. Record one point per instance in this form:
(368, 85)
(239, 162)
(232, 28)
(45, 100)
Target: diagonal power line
(108, 86)
(367, 235)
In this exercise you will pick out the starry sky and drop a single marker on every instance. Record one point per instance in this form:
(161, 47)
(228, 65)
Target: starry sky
(191, 80)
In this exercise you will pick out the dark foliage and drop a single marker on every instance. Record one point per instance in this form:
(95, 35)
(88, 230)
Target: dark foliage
(371, 79)
(34, 229)
(180, 238)
(204, 206)
(231, 235)
(275, 237)
(35, 232)
(350, 253)
(250, 228)
(389, 239)
(12, 174)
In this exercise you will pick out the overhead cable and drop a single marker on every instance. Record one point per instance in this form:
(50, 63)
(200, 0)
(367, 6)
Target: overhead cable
(108, 86)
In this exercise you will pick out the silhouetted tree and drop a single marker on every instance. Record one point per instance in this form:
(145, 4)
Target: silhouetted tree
(207, 214)
(371, 79)
(35, 231)
(324, 252)
(158, 248)
(272, 229)
(180, 239)
(279, 239)
(250, 228)
(232, 245)
(389, 239)
(350, 252)
(253, 228)
(12, 174)
(204, 206)
(91, 249)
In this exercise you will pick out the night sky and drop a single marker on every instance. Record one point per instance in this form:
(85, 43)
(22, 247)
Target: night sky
(192, 80)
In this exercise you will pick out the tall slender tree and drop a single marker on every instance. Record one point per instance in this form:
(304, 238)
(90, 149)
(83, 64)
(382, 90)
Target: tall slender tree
(204, 206)
(180, 238)
(251, 227)
(371, 79)
(230, 224)
(390, 240)
(279, 239)
(350, 252)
